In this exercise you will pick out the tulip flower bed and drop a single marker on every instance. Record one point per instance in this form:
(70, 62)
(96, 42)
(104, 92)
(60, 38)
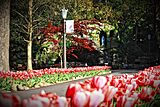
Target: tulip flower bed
(139, 90)
(23, 80)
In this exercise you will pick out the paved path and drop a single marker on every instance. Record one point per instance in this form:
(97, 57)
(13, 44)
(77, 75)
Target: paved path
(61, 88)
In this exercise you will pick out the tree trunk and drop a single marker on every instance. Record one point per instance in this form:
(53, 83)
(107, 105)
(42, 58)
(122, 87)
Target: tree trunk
(29, 51)
(30, 31)
(4, 34)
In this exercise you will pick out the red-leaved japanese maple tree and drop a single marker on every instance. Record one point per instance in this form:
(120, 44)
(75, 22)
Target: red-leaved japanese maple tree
(77, 42)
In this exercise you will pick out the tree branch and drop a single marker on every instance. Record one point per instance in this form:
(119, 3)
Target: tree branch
(35, 7)
(21, 15)
(39, 19)
(36, 25)
(24, 31)
(25, 40)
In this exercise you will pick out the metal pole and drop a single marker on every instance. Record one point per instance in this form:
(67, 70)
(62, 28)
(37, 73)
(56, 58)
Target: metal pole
(64, 45)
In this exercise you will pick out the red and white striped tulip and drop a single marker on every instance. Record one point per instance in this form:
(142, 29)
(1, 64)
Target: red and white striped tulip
(60, 102)
(72, 89)
(96, 97)
(109, 92)
(127, 101)
(146, 94)
(131, 87)
(81, 99)
(156, 84)
(99, 82)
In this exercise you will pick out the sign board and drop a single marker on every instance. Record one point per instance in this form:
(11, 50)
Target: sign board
(69, 26)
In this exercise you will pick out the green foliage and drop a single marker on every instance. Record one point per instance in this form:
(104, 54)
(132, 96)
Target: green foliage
(44, 54)
(17, 51)
(130, 20)
(5, 84)
(103, 11)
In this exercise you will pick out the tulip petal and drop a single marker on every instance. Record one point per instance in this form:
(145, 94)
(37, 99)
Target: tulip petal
(96, 98)
(80, 99)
